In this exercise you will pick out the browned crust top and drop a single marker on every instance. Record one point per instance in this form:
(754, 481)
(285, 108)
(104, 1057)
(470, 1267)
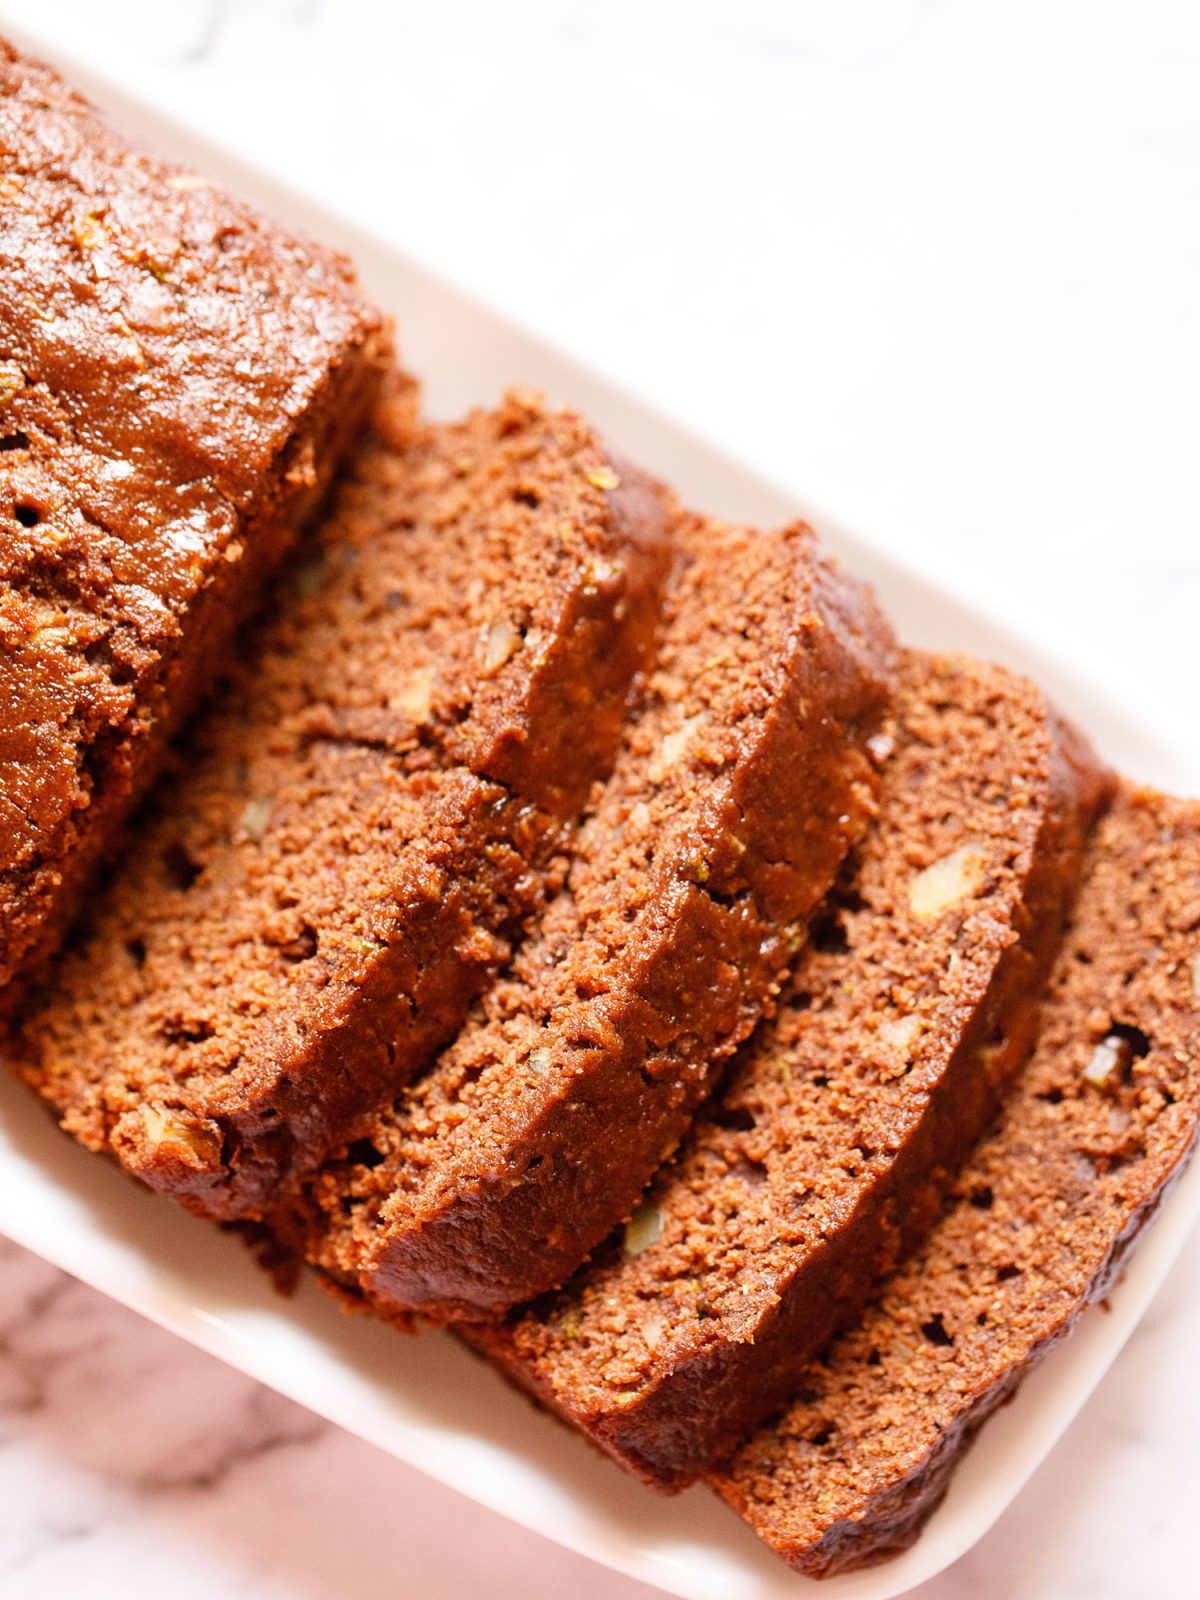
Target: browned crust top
(165, 356)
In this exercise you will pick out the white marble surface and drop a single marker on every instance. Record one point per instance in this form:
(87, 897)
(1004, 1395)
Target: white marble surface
(939, 256)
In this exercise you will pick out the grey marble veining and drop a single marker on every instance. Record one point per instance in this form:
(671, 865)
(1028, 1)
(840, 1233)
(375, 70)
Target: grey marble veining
(131, 1464)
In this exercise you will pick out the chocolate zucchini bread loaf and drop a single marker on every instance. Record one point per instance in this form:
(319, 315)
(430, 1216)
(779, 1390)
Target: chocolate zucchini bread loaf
(742, 783)
(178, 377)
(1101, 1123)
(378, 800)
(824, 1157)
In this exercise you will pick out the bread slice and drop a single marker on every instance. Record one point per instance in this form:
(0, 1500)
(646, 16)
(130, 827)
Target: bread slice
(1101, 1124)
(742, 783)
(178, 378)
(361, 823)
(823, 1157)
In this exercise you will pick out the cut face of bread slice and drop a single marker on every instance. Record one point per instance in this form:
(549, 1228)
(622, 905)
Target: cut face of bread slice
(1100, 1124)
(742, 783)
(366, 817)
(179, 377)
(824, 1156)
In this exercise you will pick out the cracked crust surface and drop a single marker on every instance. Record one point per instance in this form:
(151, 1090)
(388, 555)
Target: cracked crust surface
(178, 377)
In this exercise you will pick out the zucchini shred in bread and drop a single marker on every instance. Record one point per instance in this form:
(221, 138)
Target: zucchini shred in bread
(1100, 1125)
(742, 783)
(178, 377)
(823, 1158)
(371, 810)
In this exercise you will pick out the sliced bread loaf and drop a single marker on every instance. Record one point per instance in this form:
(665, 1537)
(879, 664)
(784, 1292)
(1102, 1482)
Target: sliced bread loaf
(1101, 1123)
(377, 802)
(742, 783)
(824, 1156)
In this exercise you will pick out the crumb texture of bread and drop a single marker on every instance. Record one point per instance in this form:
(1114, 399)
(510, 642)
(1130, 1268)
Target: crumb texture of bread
(178, 378)
(362, 821)
(742, 783)
(1102, 1121)
(823, 1158)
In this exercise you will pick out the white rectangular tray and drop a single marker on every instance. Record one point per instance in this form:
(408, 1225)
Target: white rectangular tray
(427, 1401)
